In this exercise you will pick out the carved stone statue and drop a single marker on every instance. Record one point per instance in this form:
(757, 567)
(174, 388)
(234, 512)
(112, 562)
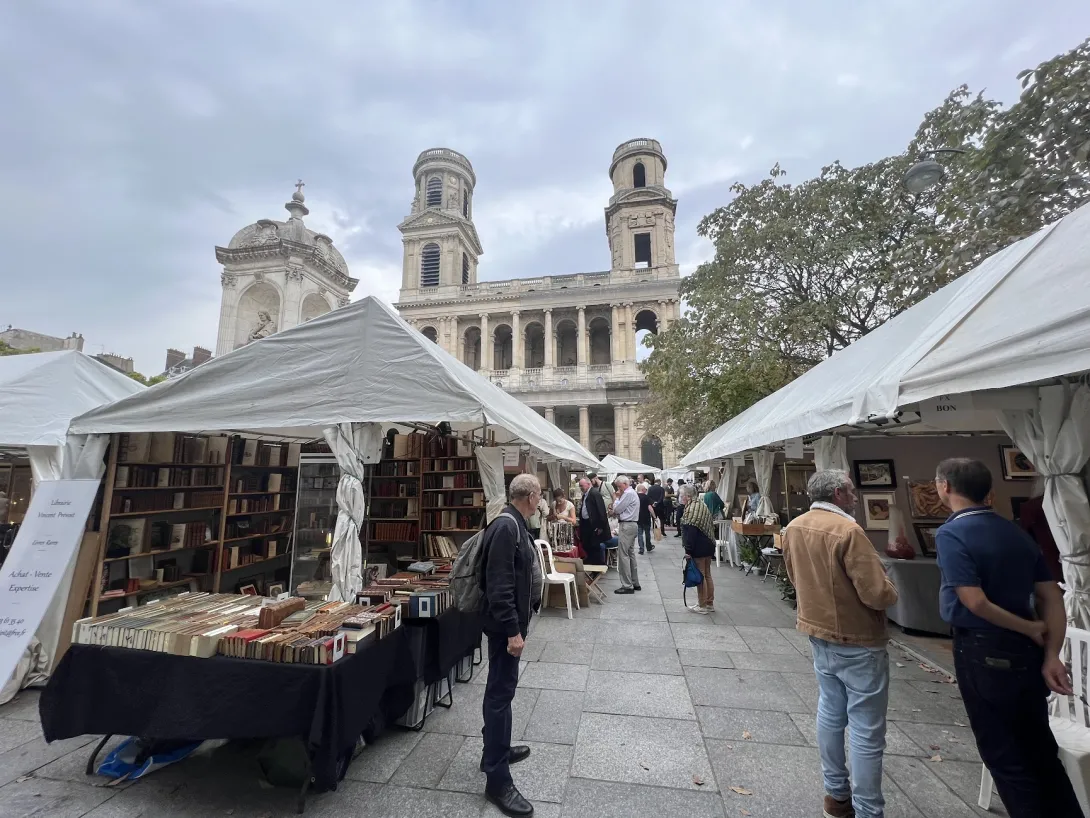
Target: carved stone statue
(264, 327)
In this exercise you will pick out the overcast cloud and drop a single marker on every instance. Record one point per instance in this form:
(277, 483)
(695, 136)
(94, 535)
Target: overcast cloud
(136, 136)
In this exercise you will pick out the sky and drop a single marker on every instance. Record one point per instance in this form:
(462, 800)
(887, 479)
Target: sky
(135, 136)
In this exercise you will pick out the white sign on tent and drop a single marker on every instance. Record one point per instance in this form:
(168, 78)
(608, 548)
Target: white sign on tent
(50, 534)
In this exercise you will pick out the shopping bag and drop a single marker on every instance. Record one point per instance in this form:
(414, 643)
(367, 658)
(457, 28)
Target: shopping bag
(690, 574)
(657, 532)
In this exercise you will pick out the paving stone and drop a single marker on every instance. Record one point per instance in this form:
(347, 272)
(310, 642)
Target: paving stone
(907, 702)
(23, 707)
(705, 658)
(756, 615)
(532, 650)
(683, 616)
(963, 779)
(73, 766)
(766, 727)
(55, 799)
(571, 653)
(783, 780)
(954, 743)
(542, 777)
(707, 636)
(557, 629)
(765, 640)
(380, 760)
(925, 789)
(641, 750)
(805, 686)
(638, 694)
(541, 810)
(793, 662)
(898, 743)
(602, 799)
(635, 613)
(797, 638)
(635, 634)
(464, 716)
(636, 660)
(747, 689)
(31, 755)
(428, 761)
(14, 732)
(555, 718)
(555, 676)
(411, 802)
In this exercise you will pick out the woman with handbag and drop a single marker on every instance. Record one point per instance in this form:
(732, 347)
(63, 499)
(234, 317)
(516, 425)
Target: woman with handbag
(698, 540)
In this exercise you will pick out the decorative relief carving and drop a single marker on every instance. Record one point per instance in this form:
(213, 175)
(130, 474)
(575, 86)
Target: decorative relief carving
(295, 274)
(264, 327)
(342, 301)
(228, 280)
(259, 277)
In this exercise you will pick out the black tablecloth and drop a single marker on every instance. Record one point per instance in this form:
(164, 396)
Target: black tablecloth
(450, 637)
(100, 690)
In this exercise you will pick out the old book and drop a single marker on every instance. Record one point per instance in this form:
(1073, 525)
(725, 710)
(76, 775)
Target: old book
(134, 447)
(249, 452)
(205, 645)
(216, 451)
(121, 478)
(162, 447)
(275, 480)
(293, 455)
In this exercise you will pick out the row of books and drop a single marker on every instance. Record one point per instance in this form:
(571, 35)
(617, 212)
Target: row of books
(253, 452)
(394, 532)
(237, 556)
(171, 447)
(470, 480)
(447, 447)
(440, 499)
(255, 528)
(135, 536)
(408, 507)
(272, 482)
(450, 464)
(400, 488)
(406, 446)
(451, 520)
(167, 477)
(439, 545)
(423, 593)
(158, 501)
(258, 505)
(397, 468)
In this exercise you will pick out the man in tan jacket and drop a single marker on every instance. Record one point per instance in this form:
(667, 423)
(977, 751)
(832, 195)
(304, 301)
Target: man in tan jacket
(842, 592)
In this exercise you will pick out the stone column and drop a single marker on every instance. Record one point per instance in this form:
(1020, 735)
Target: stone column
(517, 345)
(630, 333)
(581, 340)
(634, 434)
(550, 415)
(620, 444)
(486, 344)
(584, 422)
(550, 342)
(614, 334)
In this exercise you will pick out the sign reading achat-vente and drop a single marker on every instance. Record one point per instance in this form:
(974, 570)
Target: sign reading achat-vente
(43, 549)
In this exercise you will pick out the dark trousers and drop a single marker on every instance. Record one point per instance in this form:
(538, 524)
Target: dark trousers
(999, 675)
(644, 537)
(591, 544)
(677, 517)
(503, 678)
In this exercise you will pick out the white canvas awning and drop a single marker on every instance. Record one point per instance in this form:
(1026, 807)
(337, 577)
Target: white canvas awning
(359, 364)
(1021, 317)
(41, 392)
(612, 465)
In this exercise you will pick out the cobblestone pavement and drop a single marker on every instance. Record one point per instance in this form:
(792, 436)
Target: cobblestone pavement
(637, 707)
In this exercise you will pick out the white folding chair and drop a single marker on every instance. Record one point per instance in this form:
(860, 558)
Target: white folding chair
(553, 577)
(723, 541)
(1069, 718)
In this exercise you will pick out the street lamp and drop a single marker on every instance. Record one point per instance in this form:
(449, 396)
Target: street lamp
(926, 174)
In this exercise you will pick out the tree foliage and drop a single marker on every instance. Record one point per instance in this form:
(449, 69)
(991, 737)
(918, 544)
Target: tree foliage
(154, 379)
(803, 270)
(8, 349)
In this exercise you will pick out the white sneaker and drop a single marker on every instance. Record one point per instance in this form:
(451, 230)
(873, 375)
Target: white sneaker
(698, 609)
(709, 609)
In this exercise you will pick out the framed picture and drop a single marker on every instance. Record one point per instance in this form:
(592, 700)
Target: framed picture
(924, 502)
(275, 589)
(1016, 466)
(875, 474)
(876, 510)
(248, 590)
(925, 535)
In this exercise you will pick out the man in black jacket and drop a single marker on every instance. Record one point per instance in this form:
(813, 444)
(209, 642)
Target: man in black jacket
(593, 523)
(512, 584)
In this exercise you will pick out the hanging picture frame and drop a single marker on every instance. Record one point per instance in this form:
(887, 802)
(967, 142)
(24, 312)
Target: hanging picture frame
(925, 536)
(1016, 466)
(924, 502)
(874, 474)
(876, 510)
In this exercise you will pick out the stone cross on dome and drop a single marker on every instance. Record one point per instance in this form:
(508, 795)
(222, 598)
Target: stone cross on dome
(298, 194)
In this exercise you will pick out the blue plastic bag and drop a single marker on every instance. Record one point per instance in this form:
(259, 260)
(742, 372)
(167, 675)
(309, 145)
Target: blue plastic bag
(134, 757)
(690, 574)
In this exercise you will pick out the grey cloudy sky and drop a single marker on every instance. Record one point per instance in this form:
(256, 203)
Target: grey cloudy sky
(136, 136)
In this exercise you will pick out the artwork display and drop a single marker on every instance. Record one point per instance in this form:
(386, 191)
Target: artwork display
(1016, 466)
(876, 510)
(248, 590)
(275, 589)
(925, 535)
(875, 474)
(924, 502)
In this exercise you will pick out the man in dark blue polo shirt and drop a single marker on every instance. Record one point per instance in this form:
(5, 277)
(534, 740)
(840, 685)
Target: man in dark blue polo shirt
(1009, 624)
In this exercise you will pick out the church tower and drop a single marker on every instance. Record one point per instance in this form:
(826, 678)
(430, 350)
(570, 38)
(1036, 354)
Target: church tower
(440, 241)
(640, 215)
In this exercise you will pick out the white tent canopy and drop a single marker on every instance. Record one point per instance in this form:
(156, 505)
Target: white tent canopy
(1021, 317)
(41, 392)
(358, 364)
(612, 465)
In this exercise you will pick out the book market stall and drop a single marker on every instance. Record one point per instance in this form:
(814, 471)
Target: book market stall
(40, 393)
(992, 366)
(371, 436)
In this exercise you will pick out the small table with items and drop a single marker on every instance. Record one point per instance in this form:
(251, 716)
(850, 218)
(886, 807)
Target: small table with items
(754, 538)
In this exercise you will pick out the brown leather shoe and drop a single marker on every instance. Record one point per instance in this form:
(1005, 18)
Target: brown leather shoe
(832, 808)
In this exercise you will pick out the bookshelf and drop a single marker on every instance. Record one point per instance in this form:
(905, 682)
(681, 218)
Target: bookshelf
(452, 500)
(393, 513)
(162, 513)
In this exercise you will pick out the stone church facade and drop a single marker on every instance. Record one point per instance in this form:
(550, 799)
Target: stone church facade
(563, 344)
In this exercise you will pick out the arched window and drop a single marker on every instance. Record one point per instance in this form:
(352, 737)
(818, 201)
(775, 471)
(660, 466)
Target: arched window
(431, 334)
(435, 191)
(465, 204)
(429, 265)
(639, 175)
(465, 268)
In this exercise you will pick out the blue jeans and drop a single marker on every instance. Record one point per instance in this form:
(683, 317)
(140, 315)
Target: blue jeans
(644, 535)
(853, 692)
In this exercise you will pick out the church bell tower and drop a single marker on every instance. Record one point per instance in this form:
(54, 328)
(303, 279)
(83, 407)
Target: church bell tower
(640, 215)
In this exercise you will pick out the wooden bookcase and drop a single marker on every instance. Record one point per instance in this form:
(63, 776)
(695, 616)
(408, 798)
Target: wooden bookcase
(394, 505)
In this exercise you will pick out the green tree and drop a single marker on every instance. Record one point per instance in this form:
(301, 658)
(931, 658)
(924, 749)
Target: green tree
(7, 349)
(154, 379)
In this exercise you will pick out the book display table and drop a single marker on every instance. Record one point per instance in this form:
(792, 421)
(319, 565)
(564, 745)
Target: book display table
(117, 691)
